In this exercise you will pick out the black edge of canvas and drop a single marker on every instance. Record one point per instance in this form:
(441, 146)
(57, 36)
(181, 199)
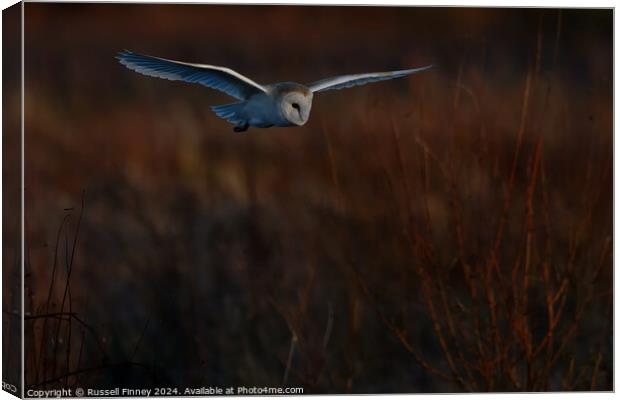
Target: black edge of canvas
(12, 277)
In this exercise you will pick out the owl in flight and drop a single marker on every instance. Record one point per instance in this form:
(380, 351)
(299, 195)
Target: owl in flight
(262, 106)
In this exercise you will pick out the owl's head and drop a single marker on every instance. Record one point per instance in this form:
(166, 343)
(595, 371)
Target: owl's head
(295, 104)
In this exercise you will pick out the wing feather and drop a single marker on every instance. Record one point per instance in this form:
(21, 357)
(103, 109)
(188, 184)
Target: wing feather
(347, 81)
(220, 78)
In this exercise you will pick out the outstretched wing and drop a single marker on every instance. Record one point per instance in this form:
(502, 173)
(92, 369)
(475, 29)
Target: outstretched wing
(224, 79)
(347, 81)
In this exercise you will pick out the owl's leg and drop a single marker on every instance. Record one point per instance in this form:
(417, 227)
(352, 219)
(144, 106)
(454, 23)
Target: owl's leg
(241, 128)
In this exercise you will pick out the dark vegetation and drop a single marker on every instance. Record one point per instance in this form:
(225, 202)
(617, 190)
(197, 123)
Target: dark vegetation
(447, 232)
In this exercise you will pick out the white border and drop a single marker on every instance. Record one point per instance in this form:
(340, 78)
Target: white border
(462, 3)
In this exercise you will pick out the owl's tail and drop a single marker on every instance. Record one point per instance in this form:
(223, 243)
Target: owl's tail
(230, 112)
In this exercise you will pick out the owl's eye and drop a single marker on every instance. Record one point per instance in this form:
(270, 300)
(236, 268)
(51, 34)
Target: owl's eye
(296, 106)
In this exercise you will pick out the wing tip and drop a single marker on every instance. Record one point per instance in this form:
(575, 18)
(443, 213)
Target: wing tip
(122, 56)
(420, 69)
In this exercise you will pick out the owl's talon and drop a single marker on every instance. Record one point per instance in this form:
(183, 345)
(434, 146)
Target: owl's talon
(241, 128)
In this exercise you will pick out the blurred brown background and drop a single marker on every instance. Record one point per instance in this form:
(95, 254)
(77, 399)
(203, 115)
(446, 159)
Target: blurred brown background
(450, 231)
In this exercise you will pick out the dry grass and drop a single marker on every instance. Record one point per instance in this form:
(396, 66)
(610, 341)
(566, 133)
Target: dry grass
(450, 232)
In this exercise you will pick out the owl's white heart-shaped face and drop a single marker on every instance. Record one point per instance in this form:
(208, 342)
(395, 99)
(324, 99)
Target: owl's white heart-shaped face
(295, 106)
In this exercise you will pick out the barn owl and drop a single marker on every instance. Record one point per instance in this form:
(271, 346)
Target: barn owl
(262, 106)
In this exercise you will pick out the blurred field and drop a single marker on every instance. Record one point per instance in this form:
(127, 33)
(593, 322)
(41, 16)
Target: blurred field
(446, 232)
